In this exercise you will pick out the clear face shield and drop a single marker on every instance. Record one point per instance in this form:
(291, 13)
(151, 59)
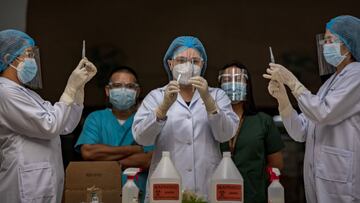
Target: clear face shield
(29, 68)
(324, 67)
(234, 81)
(185, 68)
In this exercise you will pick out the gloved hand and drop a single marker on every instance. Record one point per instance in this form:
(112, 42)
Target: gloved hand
(79, 96)
(91, 69)
(281, 74)
(77, 80)
(170, 96)
(202, 86)
(278, 91)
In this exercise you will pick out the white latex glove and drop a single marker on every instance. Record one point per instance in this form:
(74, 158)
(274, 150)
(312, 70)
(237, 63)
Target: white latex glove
(170, 96)
(79, 97)
(202, 86)
(91, 69)
(278, 91)
(77, 80)
(80, 94)
(281, 74)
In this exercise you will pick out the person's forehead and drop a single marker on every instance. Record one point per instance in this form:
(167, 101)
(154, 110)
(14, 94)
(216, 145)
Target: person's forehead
(232, 69)
(328, 34)
(123, 77)
(190, 52)
(29, 49)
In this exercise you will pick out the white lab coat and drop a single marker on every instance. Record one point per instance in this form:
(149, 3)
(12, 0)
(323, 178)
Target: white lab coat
(330, 126)
(31, 167)
(190, 134)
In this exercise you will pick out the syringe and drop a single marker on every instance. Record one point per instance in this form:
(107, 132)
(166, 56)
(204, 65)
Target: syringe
(272, 59)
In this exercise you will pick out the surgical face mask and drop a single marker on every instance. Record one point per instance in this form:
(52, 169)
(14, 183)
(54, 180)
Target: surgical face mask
(187, 70)
(122, 98)
(236, 91)
(332, 54)
(26, 70)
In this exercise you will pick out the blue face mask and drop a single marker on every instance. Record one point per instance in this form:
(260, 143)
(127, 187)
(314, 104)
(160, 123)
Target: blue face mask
(122, 98)
(332, 54)
(236, 91)
(27, 70)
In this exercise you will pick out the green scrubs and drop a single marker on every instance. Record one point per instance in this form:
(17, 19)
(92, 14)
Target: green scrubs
(258, 138)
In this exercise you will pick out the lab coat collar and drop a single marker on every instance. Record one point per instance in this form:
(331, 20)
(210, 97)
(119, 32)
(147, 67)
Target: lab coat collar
(348, 67)
(10, 82)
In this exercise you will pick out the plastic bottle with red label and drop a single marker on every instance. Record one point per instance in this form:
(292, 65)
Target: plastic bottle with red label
(275, 189)
(227, 184)
(130, 192)
(165, 182)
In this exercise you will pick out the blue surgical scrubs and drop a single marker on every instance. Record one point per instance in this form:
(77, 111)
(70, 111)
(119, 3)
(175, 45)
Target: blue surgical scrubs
(102, 127)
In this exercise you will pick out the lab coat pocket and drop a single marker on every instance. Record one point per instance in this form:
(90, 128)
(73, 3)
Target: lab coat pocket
(335, 164)
(36, 181)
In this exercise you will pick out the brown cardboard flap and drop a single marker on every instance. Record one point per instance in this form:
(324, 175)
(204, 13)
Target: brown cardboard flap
(102, 174)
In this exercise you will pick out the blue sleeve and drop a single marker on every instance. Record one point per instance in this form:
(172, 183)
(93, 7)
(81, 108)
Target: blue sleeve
(90, 133)
(149, 148)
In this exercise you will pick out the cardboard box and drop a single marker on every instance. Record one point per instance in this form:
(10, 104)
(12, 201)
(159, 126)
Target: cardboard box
(88, 178)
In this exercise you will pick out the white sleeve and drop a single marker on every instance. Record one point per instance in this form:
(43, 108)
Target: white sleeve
(145, 127)
(296, 125)
(22, 114)
(225, 122)
(340, 103)
(73, 118)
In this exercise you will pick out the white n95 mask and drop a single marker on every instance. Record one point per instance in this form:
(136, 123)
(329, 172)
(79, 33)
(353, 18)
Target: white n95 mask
(183, 72)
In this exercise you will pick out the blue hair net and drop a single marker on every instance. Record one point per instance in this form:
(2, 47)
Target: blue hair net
(188, 42)
(12, 44)
(347, 28)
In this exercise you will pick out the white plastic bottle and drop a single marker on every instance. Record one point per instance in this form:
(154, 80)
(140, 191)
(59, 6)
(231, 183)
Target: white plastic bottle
(165, 182)
(130, 192)
(227, 184)
(275, 189)
(94, 198)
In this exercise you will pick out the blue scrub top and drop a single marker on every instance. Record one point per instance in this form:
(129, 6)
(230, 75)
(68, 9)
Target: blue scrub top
(102, 127)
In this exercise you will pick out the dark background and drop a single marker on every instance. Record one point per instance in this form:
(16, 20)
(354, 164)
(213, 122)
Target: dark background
(137, 34)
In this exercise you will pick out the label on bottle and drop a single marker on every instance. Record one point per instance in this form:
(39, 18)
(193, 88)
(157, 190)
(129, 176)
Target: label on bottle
(229, 192)
(166, 192)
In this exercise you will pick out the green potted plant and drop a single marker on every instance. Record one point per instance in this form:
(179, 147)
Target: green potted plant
(191, 197)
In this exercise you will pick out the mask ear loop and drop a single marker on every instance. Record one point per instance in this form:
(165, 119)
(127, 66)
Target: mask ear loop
(16, 68)
(343, 55)
(347, 53)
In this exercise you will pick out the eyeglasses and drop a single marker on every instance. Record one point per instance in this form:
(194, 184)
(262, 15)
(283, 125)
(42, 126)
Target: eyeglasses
(195, 60)
(133, 86)
(29, 53)
(329, 39)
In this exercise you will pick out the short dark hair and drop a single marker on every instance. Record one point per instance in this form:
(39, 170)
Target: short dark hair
(249, 107)
(122, 69)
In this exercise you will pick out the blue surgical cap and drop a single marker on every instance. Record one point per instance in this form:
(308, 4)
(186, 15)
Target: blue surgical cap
(347, 28)
(12, 44)
(188, 42)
